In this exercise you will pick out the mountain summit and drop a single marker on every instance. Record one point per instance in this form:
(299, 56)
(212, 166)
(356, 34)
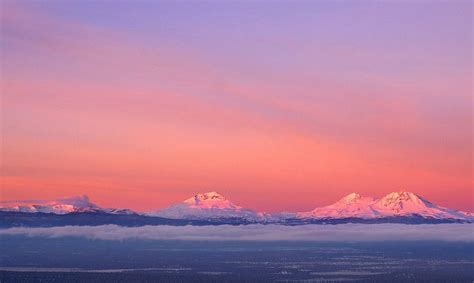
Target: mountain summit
(208, 206)
(65, 205)
(405, 203)
(57, 206)
(395, 204)
(352, 205)
(210, 200)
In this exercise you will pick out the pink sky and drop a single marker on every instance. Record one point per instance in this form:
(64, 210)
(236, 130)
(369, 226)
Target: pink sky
(275, 107)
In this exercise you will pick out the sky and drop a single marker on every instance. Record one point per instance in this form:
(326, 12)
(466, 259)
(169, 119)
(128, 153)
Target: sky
(277, 105)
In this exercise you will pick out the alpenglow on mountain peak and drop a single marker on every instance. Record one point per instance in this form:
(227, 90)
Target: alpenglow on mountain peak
(57, 206)
(351, 198)
(213, 206)
(210, 205)
(207, 196)
(210, 200)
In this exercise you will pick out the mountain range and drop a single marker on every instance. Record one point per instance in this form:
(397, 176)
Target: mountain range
(67, 205)
(213, 208)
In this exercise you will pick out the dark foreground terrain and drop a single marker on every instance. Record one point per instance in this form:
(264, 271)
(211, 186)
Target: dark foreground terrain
(37, 259)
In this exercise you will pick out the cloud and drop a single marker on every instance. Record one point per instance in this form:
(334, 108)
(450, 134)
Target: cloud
(259, 232)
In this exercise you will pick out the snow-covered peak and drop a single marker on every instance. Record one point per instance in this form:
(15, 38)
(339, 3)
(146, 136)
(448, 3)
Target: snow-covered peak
(209, 196)
(351, 198)
(210, 200)
(352, 205)
(398, 198)
(79, 202)
(403, 203)
(57, 206)
(210, 205)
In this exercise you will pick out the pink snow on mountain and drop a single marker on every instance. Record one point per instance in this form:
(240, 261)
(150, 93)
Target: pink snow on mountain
(57, 206)
(208, 205)
(406, 203)
(400, 203)
(212, 205)
(210, 200)
(352, 205)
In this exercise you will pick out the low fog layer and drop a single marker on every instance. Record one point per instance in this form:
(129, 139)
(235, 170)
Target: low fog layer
(344, 232)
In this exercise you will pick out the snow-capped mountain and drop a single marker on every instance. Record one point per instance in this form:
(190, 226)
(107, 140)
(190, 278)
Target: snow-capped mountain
(60, 206)
(212, 208)
(210, 205)
(406, 203)
(352, 205)
(396, 204)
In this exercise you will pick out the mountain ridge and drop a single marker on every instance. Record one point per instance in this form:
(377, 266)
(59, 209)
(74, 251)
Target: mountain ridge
(212, 206)
(65, 205)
